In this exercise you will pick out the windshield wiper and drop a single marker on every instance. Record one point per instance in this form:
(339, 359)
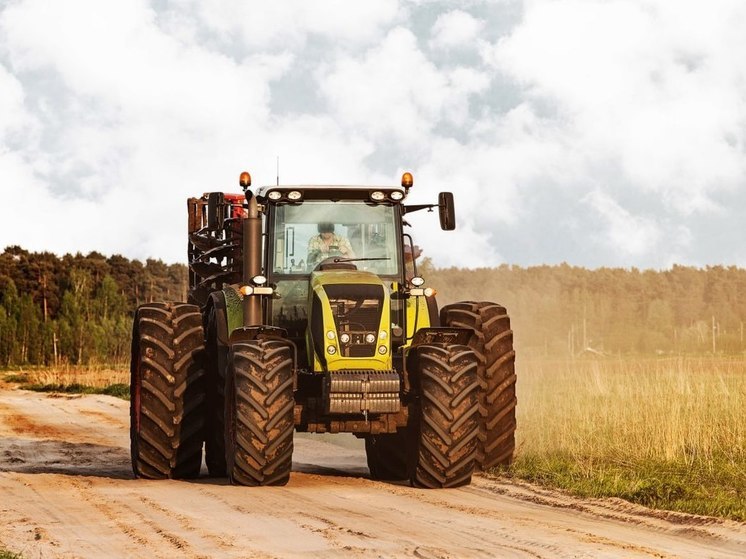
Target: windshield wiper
(360, 259)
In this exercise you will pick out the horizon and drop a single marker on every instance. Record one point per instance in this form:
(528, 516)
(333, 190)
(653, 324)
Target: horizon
(421, 260)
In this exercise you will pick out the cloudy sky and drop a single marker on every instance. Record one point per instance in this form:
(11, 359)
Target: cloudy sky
(595, 132)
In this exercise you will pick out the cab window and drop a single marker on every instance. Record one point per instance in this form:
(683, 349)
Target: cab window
(307, 233)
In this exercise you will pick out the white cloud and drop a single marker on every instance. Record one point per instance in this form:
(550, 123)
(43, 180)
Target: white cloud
(464, 247)
(634, 235)
(290, 23)
(650, 85)
(13, 114)
(456, 30)
(394, 93)
(118, 56)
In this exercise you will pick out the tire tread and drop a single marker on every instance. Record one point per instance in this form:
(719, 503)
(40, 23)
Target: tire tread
(492, 340)
(167, 369)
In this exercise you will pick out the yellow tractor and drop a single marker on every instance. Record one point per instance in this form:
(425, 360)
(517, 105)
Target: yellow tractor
(306, 313)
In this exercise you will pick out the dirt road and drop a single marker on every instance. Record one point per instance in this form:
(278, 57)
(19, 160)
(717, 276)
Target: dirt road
(66, 490)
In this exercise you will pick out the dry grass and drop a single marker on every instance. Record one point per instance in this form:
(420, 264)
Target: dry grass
(683, 409)
(646, 429)
(97, 376)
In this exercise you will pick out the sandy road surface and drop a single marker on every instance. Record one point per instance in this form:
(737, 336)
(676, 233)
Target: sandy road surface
(66, 491)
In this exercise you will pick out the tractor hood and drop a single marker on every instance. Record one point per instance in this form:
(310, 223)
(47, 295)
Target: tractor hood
(349, 321)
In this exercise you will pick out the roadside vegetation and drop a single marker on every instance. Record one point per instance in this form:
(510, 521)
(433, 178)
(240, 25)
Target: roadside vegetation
(5, 554)
(666, 433)
(111, 380)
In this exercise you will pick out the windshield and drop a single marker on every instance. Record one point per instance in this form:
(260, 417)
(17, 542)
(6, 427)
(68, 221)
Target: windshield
(308, 233)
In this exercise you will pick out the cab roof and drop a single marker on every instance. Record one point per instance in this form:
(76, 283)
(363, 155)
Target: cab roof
(290, 193)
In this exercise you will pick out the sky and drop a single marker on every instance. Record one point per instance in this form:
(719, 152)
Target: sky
(592, 132)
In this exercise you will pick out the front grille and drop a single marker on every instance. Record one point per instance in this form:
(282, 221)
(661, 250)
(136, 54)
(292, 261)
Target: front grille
(357, 311)
(362, 392)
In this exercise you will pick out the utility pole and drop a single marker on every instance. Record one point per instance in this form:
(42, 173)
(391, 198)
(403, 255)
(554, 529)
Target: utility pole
(713, 334)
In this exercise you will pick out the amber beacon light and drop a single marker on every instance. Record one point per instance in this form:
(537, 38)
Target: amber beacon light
(406, 180)
(245, 179)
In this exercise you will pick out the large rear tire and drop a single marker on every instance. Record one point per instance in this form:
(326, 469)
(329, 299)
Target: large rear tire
(167, 391)
(493, 342)
(259, 413)
(216, 362)
(387, 456)
(444, 418)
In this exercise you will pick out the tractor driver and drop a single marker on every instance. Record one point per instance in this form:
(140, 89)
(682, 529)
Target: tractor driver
(327, 244)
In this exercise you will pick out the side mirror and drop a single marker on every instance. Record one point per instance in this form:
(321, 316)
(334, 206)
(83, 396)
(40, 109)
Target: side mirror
(215, 211)
(446, 211)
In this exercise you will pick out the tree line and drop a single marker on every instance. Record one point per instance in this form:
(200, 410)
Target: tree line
(570, 310)
(77, 309)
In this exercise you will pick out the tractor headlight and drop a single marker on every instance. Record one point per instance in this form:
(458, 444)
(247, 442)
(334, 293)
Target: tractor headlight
(259, 280)
(383, 335)
(274, 195)
(344, 338)
(396, 195)
(377, 196)
(370, 338)
(330, 334)
(382, 349)
(331, 350)
(294, 195)
(417, 281)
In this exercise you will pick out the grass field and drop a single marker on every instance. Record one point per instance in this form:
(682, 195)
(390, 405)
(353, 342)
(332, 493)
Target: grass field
(668, 433)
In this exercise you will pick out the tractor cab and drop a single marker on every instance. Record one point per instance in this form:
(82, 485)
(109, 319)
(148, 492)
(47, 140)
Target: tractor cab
(336, 254)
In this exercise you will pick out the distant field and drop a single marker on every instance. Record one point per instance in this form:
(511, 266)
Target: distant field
(666, 433)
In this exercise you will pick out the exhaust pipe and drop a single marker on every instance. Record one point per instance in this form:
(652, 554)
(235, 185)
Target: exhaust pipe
(252, 260)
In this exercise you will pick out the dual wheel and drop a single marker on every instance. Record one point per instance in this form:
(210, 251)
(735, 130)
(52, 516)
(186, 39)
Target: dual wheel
(492, 341)
(173, 401)
(439, 422)
(438, 447)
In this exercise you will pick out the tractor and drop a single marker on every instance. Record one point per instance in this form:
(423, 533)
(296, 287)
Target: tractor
(305, 312)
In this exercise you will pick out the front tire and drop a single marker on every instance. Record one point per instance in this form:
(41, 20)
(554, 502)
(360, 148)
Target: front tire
(259, 413)
(444, 418)
(492, 340)
(167, 391)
